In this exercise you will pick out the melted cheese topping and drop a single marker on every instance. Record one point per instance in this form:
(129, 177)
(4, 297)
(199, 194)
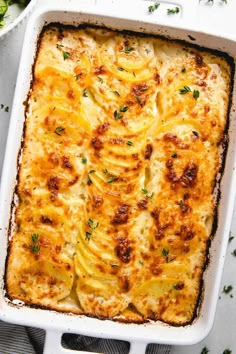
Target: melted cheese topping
(117, 175)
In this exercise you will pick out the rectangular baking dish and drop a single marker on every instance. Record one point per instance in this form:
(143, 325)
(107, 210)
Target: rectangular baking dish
(115, 16)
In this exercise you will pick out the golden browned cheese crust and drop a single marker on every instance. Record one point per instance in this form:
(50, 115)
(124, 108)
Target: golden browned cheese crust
(116, 199)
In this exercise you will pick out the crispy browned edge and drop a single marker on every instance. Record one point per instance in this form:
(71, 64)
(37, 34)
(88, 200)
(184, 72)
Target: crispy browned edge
(224, 143)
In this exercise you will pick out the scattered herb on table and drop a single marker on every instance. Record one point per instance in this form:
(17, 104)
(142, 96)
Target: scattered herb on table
(227, 351)
(205, 350)
(173, 11)
(153, 7)
(227, 289)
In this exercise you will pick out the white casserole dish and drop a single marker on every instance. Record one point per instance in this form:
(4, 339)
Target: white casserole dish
(57, 323)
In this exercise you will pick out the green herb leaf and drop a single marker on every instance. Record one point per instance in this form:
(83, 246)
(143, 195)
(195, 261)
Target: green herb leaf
(59, 130)
(174, 155)
(120, 69)
(145, 191)
(165, 252)
(117, 115)
(83, 160)
(88, 235)
(114, 265)
(174, 10)
(153, 7)
(116, 93)
(196, 94)
(123, 108)
(92, 171)
(205, 350)
(227, 351)
(7, 109)
(129, 143)
(77, 77)
(128, 50)
(100, 79)
(227, 289)
(34, 248)
(141, 262)
(195, 133)
(184, 90)
(92, 225)
(234, 253)
(105, 171)
(85, 93)
(59, 46)
(34, 237)
(138, 99)
(66, 55)
(112, 179)
(183, 71)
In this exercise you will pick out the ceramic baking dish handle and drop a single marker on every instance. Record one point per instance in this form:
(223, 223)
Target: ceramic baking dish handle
(53, 345)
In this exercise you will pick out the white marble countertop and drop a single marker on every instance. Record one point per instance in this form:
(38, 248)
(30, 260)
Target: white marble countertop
(222, 335)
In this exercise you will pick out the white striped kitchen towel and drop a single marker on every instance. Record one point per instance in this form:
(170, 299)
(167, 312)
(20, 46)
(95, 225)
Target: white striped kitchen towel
(26, 340)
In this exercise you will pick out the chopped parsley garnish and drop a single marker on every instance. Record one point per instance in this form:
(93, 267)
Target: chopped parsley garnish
(129, 143)
(227, 289)
(234, 253)
(6, 109)
(227, 351)
(120, 69)
(59, 130)
(195, 133)
(85, 93)
(138, 99)
(175, 10)
(34, 238)
(205, 350)
(83, 160)
(100, 79)
(112, 179)
(141, 262)
(153, 7)
(128, 50)
(196, 94)
(184, 90)
(183, 71)
(114, 265)
(174, 155)
(92, 171)
(145, 191)
(92, 225)
(66, 55)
